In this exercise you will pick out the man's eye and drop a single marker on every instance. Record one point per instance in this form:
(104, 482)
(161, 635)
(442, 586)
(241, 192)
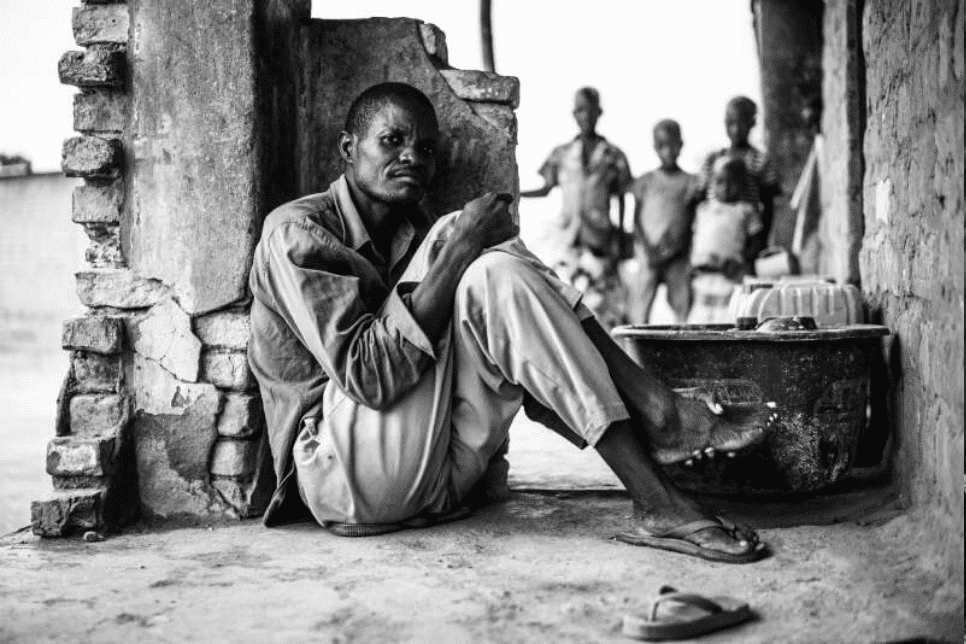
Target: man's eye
(428, 150)
(391, 139)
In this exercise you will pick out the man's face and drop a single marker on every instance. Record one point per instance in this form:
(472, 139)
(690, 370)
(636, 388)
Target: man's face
(586, 114)
(668, 147)
(395, 159)
(738, 125)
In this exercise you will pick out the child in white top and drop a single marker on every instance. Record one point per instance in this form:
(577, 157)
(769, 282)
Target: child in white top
(723, 225)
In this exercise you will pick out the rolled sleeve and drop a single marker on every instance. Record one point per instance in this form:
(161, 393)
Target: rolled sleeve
(319, 285)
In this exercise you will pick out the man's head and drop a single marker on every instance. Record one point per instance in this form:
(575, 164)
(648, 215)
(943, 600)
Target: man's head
(389, 143)
(728, 177)
(740, 117)
(587, 109)
(667, 142)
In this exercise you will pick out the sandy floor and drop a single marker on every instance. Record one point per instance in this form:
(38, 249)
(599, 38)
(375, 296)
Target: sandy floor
(536, 569)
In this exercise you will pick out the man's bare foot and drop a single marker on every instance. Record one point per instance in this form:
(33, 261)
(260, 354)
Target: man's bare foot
(695, 533)
(703, 432)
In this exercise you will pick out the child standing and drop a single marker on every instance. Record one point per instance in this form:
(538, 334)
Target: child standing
(664, 202)
(762, 185)
(720, 253)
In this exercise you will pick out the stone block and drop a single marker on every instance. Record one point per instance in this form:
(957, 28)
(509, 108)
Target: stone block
(94, 24)
(227, 370)
(100, 110)
(98, 414)
(434, 40)
(163, 335)
(241, 416)
(174, 429)
(120, 289)
(225, 329)
(92, 156)
(96, 373)
(502, 117)
(81, 455)
(96, 333)
(483, 87)
(234, 458)
(66, 511)
(98, 203)
(105, 249)
(97, 66)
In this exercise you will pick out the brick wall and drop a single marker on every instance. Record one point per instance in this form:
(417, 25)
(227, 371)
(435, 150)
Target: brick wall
(912, 252)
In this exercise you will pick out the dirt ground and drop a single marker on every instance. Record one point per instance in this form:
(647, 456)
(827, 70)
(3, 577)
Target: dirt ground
(539, 568)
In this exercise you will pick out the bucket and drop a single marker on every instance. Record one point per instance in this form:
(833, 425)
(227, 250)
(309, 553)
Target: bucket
(819, 378)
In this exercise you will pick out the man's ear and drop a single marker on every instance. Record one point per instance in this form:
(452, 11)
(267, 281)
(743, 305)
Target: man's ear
(346, 146)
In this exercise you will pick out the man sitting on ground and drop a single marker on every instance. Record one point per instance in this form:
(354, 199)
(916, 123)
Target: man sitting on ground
(392, 354)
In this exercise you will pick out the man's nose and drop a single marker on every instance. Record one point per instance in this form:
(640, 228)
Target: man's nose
(411, 155)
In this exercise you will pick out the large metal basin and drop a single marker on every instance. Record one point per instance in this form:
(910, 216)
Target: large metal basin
(818, 378)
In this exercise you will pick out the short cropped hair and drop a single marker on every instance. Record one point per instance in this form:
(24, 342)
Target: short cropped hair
(369, 102)
(744, 106)
(591, 94)
(668, 126)
(733, 169)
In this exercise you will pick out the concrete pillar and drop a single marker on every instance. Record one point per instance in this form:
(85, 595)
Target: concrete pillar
(789, 36)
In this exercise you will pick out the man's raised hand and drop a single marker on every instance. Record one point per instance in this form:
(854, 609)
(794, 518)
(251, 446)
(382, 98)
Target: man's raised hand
(486, 221)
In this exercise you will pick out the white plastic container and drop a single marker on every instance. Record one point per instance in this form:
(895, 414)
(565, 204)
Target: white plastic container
(831, 304)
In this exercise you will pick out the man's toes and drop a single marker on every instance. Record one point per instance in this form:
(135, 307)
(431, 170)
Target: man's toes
(771, 404)
(709, 452)
(689, 462)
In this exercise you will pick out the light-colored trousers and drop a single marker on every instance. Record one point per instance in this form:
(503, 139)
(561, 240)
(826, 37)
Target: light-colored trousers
(515, 327)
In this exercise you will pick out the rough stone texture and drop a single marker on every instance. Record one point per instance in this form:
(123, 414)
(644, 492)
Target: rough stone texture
(81, 456)
(96, 333)
(95, 373)
(474, 155)
(98, 203)
(843, 122)
(92, 156)
(105, 249)
(98, 415)
(163, 335)
(499, 116)
(100, 24)
(120, 289)
(790, 53)
(234, 458)
(67, 511)
(100, 110)
(241, 416)
(912, 254)
(224, 329)
(96, 66)
(193, 186)
(227, 370)
(174, 430)
(434, 40)
(483, 87)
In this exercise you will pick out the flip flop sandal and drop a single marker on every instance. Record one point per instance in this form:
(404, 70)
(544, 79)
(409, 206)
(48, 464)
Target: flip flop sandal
(341, 529)
(675, 540)
(686, 616)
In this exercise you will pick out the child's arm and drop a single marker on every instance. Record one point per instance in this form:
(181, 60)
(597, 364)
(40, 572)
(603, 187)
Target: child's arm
(548, 171)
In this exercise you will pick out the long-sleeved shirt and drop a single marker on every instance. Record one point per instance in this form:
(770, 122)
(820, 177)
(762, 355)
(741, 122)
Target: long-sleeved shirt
(327, 306)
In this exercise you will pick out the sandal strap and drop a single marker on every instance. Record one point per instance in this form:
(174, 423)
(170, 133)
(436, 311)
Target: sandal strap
(687, 529)
(691, 599)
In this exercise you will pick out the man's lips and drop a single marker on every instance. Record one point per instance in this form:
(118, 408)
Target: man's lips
(417, 177)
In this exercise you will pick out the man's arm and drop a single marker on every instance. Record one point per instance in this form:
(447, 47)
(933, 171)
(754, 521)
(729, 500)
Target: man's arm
(537, 192)
(484, 222)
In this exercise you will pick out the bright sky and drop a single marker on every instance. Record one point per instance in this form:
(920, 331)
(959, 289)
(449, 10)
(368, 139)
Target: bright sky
(650, 59)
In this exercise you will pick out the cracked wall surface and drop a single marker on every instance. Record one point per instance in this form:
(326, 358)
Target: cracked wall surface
(912, 252)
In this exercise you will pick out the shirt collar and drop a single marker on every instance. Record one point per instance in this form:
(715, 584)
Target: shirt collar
(354, 230)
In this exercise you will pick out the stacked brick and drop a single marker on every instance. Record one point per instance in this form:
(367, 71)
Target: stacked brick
(89, 459)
